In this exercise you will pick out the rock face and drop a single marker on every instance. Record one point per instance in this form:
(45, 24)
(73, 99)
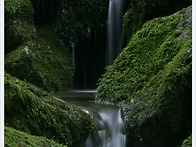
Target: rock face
(152, 76)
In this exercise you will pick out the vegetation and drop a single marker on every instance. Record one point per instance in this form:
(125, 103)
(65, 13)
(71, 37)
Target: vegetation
(20, 9)
(17, 138)
(43, 62)
(187, 142)
(77, 19)
(19, 26)
(152, 76)
(31, 110)
(141, 11)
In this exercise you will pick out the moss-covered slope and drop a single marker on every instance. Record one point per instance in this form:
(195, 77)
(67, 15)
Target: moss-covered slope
(29, 109)
(43, 62)
(14, 137)
(152, 76)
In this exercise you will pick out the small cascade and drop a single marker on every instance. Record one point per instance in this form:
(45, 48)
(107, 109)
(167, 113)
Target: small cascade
(109, 118)
(115, 35)
(111, 130)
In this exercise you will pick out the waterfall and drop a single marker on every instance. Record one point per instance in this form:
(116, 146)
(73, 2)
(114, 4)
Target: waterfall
(115, 35)
(110, 133)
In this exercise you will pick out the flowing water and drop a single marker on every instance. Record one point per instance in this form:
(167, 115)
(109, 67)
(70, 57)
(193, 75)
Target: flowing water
(115, 34)
(108, 117)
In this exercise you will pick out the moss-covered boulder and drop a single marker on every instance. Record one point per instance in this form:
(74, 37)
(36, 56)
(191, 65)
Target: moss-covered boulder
(152, 76)
(141, 11)
(19, 26)
(44, 62)
(14, 137)
(31, 110)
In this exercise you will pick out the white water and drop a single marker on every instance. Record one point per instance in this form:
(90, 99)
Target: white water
(111, 127)
(115, 35)
(108, 117)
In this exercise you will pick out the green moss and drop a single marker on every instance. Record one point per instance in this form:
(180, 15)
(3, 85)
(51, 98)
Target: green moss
(145, 55)
(152, 76)
(141, 11)
(19, 9)
(149, 50)
(19, 26)
(187, 142)
(31, 110)
(43, 62)
(16, 33)
(14, 137)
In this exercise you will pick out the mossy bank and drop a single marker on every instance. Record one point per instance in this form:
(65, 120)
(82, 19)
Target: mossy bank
(17, 138)
(34, 111)
(152, 77)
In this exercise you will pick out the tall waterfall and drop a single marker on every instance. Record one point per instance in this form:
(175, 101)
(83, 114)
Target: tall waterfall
(115, 35)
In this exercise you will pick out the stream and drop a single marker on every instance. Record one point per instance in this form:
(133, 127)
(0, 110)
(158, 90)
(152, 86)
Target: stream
(108, 117)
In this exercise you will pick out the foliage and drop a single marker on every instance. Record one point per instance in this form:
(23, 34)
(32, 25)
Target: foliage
(43, 62)
(77, 18)
(17, 138)
(19, 26)
(141, 11)
(16, 33)
(152, 76)
(31, 110)
(19, 9)
(187, 142)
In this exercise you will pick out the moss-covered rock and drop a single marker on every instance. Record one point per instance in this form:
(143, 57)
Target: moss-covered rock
(152, 76)
(14, 137)
(141, 11)
(19, 26)
(43, 62)
(31, 110)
